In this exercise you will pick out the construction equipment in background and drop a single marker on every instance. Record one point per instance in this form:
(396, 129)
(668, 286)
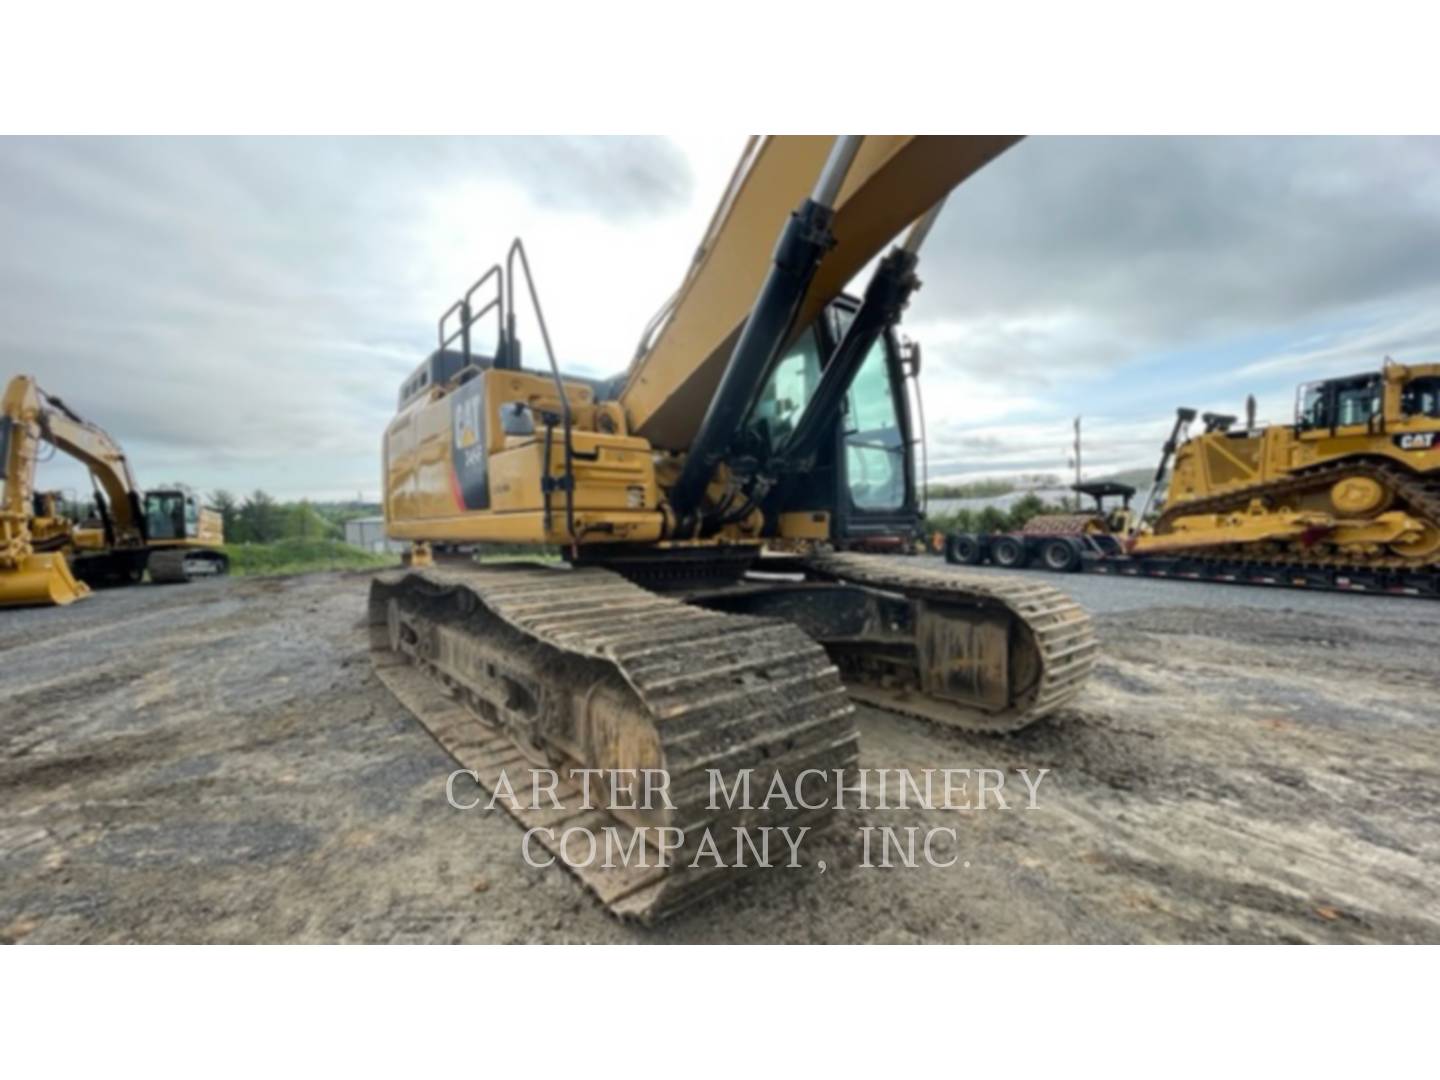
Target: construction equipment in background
(1346, 497)
(48, 558)
(711, 502)
(1055, 541)
(1349, 494)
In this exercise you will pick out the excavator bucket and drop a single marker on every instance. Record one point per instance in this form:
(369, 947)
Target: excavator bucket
(40, 579)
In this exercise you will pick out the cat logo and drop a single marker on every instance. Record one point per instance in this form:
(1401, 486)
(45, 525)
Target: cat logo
(1417, 440)
(467, 421)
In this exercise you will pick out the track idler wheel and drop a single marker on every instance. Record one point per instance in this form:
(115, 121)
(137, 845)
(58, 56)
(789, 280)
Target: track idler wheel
(1358, 496)
(1425, 546)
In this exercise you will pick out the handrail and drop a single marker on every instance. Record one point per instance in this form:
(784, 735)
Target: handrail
(567, 483)
(507, 355)
(469, 317)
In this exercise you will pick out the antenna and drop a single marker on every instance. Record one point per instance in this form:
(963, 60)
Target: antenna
(1077, 463)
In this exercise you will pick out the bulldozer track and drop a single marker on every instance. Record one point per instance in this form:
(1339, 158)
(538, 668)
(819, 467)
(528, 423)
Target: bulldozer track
(1055, 627)
(710, 691)
(1420, 493)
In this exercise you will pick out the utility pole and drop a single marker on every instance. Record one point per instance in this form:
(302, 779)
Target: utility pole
(1077, 462)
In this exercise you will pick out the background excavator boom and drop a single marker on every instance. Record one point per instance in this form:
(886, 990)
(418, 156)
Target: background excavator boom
(30, 416)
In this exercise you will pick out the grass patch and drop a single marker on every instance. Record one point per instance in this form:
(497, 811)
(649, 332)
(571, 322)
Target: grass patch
(302, 557)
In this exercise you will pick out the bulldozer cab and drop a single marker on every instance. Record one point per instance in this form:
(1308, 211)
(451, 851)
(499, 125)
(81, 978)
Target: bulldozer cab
(1421, 397)
(1324, 407)
(172, 514)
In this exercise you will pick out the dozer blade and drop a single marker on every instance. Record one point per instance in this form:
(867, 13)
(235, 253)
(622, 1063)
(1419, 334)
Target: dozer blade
(40, 579)
(980, 652)
(521, 667)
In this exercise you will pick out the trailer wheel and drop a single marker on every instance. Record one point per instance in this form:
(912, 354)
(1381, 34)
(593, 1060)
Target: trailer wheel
(962, 548)
(1009, 552)
(1060, 555)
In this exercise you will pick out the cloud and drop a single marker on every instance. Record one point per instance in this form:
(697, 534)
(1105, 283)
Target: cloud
(1121, 277)
(239, 312)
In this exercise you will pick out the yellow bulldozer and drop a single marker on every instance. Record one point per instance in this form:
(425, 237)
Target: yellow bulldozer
(47, 557)
(720, 505)
(1345, 497)
(1353, 482)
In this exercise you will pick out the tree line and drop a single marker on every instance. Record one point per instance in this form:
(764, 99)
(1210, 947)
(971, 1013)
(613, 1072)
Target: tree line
(993, 519)
(990, 487)
(259, 518)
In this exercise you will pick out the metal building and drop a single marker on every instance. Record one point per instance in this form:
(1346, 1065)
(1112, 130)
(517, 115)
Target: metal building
(369, 533)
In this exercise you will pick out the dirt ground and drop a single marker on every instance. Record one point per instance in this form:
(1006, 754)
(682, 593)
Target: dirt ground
(216, 762)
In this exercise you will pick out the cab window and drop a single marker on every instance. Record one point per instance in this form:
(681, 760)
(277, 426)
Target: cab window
(1356, 403)
(1421, 397)
(1310, 410)
(165, 515)
(874, 445)
(783, 399)
(1338, 403)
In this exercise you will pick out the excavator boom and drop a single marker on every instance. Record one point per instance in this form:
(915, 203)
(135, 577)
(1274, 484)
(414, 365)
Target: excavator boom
(28, 415)
(122, 547)
(892, 181)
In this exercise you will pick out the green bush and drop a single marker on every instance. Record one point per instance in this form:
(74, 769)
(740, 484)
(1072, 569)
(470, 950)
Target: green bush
(992, 519)
(301, 557)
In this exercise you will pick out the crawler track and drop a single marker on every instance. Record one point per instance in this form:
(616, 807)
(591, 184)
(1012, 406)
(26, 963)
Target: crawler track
(175, 566)
(1042, 643)
(1420, 494)
(511, 667)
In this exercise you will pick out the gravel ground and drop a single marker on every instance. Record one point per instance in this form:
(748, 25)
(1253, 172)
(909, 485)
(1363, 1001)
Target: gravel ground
(217, 763)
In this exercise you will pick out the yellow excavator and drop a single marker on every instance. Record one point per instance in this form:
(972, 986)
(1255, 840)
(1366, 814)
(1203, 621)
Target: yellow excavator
(720, 506)
(47, 558)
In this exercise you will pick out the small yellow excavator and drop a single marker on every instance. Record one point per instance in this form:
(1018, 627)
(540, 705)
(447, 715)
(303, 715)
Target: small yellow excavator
(47, 558)
(720, 504)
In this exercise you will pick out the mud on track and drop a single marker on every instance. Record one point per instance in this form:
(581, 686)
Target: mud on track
(216, 762)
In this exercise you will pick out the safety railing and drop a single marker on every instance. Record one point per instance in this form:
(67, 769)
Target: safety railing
(469, 316)
(464, 314)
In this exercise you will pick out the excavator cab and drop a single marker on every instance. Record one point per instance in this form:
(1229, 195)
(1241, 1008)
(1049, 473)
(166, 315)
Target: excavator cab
(182, 536)
(863, 474)
(172, 514)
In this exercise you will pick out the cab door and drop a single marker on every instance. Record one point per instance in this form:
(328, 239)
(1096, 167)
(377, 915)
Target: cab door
(877, 497)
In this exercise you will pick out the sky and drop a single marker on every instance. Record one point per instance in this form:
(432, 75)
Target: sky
(239, 313)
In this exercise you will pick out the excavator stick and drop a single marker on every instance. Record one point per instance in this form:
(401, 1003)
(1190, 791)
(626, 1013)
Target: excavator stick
(40, 579)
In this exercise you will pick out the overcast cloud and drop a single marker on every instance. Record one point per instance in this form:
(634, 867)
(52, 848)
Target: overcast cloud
(239, 313)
